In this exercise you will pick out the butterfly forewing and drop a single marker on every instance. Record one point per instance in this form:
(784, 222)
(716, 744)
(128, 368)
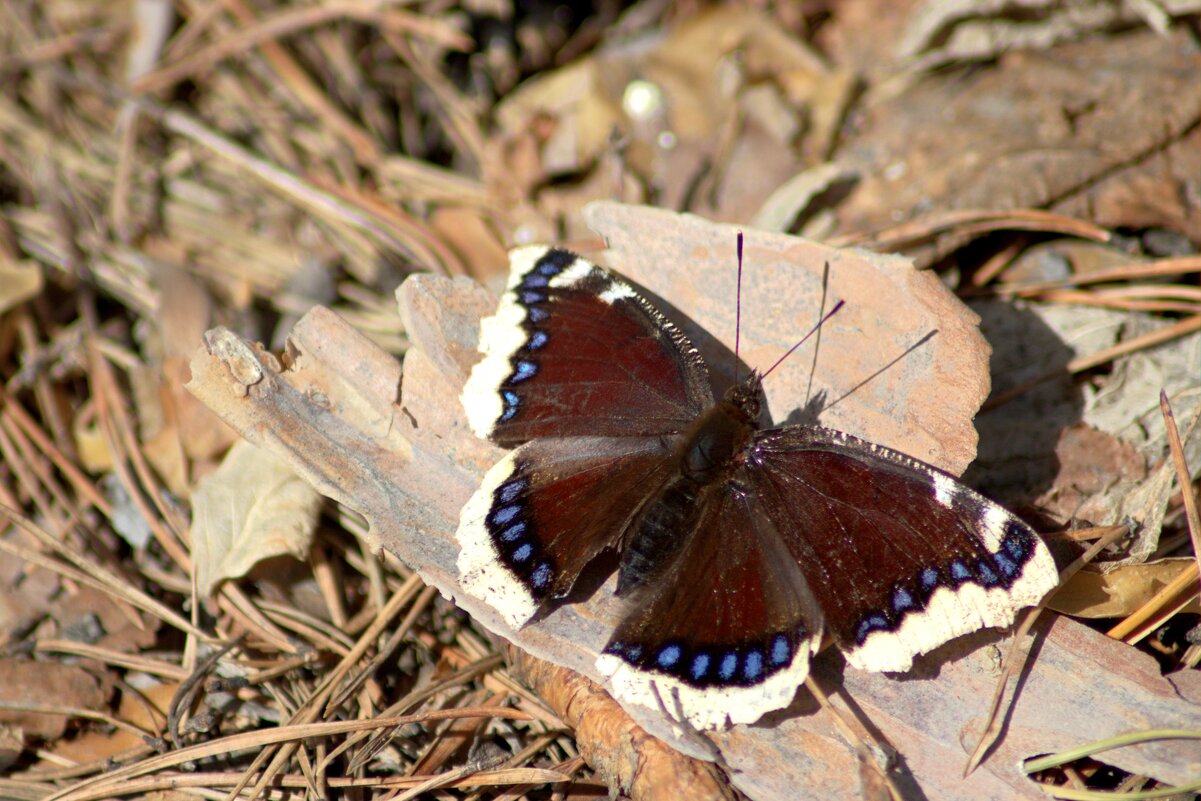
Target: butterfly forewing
(574, 351)
(901, 557)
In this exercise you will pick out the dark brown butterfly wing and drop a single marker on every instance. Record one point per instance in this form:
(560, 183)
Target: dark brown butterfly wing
(901, 556)
(574, 351)
(727, 628)
(545, 511)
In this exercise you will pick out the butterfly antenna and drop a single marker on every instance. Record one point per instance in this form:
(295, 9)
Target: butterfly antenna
(812, 331)
(817, 345)
(926, 338)
(738, 310)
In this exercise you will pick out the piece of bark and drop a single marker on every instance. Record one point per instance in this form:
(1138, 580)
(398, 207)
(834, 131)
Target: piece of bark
(408, 467)
(1104, 129)
(622, 753)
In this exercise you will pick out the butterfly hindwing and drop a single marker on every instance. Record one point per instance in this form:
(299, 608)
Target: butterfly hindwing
(573, 350)
(726, 629)
(901, 556)
(545, 511)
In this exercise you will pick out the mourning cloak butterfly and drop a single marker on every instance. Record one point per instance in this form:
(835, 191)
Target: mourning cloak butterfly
(737, 546)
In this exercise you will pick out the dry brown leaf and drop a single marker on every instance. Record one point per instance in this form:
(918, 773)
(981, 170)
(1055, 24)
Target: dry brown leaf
(19, 281)
(91, 444)
(86, 614)
(712, 115)
(1121, 591)
(26, 591)
(1091, 462)
(249, 509)
(28, 682)
(1105, 130)
(133, 708)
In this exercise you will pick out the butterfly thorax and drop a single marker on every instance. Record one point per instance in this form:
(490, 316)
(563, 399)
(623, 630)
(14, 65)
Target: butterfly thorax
(713, 443)
(706, 453)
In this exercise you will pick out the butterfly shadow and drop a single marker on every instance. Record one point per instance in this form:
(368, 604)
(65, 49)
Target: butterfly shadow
(828, 670)
(590, 581)
(1020, 429)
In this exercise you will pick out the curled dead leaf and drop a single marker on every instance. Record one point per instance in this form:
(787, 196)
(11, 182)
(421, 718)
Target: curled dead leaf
(1120, 591)
(250, 508)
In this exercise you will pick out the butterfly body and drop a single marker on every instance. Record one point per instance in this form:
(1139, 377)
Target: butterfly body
(704, 459)
(738, 545)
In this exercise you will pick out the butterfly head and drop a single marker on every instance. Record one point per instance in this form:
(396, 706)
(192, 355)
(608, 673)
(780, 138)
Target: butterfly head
(745, 398)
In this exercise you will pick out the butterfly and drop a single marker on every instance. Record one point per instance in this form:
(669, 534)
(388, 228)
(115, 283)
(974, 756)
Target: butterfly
(736, 545)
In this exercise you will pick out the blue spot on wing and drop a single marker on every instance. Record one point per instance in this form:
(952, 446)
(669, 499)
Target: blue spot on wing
(959, 571)
(541, 576)
(728, 666)
(523, 370)
(503, 515)
(1017, 546)
(929, 578)
(781, 651)
(522, 553)
(669, 655)
(699, 667)
(752, 666)
(513, 532)
(988, 576)
(548, 268)
(872, 622)
(1007, 566)
(509, 491)
(537, 340)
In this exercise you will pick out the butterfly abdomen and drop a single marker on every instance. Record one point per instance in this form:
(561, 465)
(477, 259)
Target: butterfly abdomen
(705, 456)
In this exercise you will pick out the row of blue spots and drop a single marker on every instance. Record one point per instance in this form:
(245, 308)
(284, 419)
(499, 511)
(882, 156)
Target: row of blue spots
(999, 569)
(511, 535)
(530, 293)
(741, 665)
